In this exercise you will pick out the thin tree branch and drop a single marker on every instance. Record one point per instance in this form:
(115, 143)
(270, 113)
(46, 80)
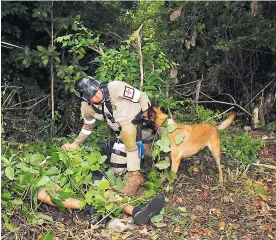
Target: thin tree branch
(258, 93)
(9, 44)
(100, 51)
(27, 108)
(182, 95)
(140, 55)
(218, 114)
(231, 104)
(178, 85)
(25, 102)
(198, 87)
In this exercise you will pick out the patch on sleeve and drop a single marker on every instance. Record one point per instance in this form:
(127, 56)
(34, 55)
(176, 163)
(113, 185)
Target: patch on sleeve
(129, 92)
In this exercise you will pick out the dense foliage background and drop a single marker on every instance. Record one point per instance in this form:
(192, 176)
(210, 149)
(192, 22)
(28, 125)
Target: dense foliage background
(216, 53)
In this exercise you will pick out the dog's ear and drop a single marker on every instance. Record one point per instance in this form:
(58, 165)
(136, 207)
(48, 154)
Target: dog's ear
(154, 102)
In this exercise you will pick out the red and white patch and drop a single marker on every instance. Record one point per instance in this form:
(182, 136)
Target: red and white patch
(129, 92)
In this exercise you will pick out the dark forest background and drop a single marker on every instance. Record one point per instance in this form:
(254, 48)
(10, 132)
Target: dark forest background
(196, 55)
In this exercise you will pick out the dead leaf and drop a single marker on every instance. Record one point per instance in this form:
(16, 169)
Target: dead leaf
(206, 187)
(235, 225)
(266, 227)
(215, 212)
(198, 208)
(196, 170)
(144, 231)
(178, 229)
(194, 230)
(254, 8)
(174, 73)
(160, 224)
(175, 14)
(221, 225)
(193, 40)
(126, 235)
(179, 200)
(168, 188)
(187, 44)
(227, 199)
(194, 218)
(204, 195)
(265, 208)
(246, 237)
(264, 197)
(78, 222)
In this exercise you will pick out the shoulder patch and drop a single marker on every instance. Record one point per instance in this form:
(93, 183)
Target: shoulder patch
(129, 92)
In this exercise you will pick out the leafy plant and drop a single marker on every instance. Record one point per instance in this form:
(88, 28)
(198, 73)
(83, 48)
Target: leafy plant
(238, 150)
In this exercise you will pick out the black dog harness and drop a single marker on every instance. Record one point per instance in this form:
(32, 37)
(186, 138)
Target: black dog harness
(107, 103)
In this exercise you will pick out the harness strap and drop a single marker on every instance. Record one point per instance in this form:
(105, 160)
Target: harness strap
(107, 103)
(118, 152)
(118, 165)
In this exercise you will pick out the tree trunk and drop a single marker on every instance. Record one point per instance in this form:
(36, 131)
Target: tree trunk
(264, 107)
(52, 72)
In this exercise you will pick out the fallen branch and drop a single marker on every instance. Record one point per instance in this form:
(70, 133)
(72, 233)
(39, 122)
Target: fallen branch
(264, 165)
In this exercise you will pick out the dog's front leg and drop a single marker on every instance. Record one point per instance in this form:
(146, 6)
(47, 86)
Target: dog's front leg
(176, 159)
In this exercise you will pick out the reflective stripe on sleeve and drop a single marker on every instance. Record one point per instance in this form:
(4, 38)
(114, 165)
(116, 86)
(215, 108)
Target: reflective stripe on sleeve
(89, 122)
(136, 96)
(86, 132)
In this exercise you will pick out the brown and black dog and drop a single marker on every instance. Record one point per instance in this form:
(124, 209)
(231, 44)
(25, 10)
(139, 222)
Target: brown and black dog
(196, 137)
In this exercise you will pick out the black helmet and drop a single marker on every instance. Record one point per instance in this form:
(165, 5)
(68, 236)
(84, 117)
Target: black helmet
(86, 88)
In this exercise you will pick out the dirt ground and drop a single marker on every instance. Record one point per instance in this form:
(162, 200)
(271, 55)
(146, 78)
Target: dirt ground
(197, 209)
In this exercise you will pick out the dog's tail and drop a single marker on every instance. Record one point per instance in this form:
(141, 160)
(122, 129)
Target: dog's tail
(227, 121)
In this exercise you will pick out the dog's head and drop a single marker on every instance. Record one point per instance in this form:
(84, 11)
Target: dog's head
(156, 116)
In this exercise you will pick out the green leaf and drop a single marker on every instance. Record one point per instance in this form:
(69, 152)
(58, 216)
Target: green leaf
(44, 14)
(43, 181)
(149, 185)
(214, 188)
(69, 171)
(52, 171)
(150, 193)
(47, 236)
(157, 218)
(164, 143)
(42, 216)
(6, 196)
(104, 184)
(63, 195)
(152, 175)
(171, 128)
(182, 209)
(9, 171)
(163, 164)
(45, 61)
(40, 49)
(171, 177)
(9, 226)
(179, 138)
(74, 26)
(57, 59)
(102, 159)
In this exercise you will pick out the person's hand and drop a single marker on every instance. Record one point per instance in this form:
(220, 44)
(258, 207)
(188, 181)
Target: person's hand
(69, 146)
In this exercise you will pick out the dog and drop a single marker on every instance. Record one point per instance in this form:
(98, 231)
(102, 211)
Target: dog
(196, 137)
